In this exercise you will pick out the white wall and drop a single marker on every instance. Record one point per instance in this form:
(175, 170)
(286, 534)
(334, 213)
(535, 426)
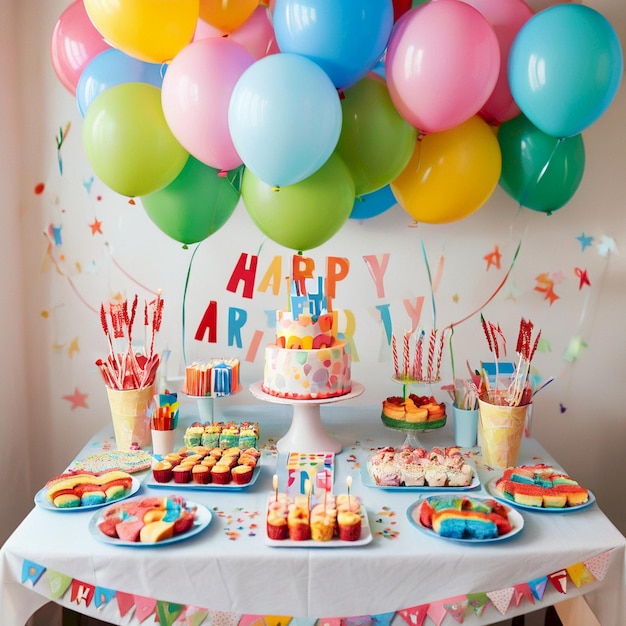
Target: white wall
(60, 302)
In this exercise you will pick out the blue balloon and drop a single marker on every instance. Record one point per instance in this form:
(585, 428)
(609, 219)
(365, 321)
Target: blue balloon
(284, 118)
(565, 67)
(346, 38)
(110, 68)
(373, 204)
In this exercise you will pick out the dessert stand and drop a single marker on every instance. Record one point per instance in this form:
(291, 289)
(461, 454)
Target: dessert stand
(413, 428)
(306, 432)
(206, 405)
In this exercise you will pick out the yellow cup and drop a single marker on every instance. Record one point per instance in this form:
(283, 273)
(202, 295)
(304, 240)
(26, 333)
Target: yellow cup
(501, 429)
(130, 413)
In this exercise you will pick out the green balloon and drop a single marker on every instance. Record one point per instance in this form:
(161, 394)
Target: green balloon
(197, 203)
(375, 142)
(304, 215)
(541, 172)
(128, 142)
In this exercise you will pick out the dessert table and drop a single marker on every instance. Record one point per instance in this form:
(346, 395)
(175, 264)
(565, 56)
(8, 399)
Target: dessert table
(229, 575)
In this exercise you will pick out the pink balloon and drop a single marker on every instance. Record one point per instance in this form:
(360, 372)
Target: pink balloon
(195, 96)
(442, 64)
(75, 41)
(256, 34)
(506, 18)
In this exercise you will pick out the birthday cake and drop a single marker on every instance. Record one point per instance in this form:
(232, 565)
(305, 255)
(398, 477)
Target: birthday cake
(308, 361)
(214, 378)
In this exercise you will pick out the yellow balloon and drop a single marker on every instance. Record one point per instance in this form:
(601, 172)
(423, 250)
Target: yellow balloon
(227, 15)
(149, 30)
(451, 174)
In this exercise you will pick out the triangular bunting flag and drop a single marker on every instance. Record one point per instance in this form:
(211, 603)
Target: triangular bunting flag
(194, 615)
(436, 611)
(523, 591)
(478, 602)
(538, 586)
(103, 596)
(31, 571)
(168, 612)
(383, 619)
(414, 616)
(82, 592)
(144, 607)
(598, 565)
(303, 621)
(125, 602)
(559, 580)
(222, 618)
(58, 584)
(501, 598)
(455, 607)
(330, 621)
(277, 620)
(580, 574)
(251, 620)
(363, 620)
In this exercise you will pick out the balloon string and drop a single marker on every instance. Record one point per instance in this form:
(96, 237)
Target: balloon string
(121, 269)
(193, 254)
(430, 282)
(493, 295)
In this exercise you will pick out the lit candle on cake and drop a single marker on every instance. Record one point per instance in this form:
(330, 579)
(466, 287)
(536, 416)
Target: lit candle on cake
(275, 486)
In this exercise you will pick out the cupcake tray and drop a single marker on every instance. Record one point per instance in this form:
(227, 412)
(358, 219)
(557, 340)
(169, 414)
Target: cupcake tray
(192, 486)
(368, 481)
(365, 538)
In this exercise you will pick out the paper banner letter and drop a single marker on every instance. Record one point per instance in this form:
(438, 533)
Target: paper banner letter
(580, 574)
(559, 580)
(58, 584)
(337, 269)
(377, 270)
(301, 268)
(31, 571)
(598, 565)
(125, 602)
(455, 607)
(237, 319)
(273, 277)
(384, 316)
(414, 310)
(208, 324)
(103, 596)
(414, 616)
(437, 612)
(253, 348)
(348, 333)
(81, 592)
(244, 273)
(501, 599)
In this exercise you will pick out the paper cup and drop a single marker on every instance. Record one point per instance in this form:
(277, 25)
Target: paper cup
(465, 426)
(501, 431)
(163, 441)
(130, 414)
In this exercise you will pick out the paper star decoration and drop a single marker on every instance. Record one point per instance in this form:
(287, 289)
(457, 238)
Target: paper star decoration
(77, 399)
(73, 347)
(583, 277)
(585, 241)
(545, 285)
(493, 258)
(96, 226)
(606, 245)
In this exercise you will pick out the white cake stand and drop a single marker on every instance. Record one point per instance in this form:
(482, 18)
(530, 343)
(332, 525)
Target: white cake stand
(306, 433)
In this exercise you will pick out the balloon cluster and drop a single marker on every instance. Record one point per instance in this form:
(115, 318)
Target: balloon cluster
(314, 111)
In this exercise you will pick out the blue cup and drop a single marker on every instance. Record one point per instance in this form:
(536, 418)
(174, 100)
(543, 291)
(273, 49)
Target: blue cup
(465, 426)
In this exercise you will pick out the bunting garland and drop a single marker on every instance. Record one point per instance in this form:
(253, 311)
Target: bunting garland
(170, 614)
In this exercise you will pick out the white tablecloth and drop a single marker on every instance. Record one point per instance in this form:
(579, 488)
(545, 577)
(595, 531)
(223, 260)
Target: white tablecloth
(230, 568)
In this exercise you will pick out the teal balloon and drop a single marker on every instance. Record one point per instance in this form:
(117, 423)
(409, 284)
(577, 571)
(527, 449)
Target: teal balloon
(196, 204)
(304, 215)
(541, 172)
(372, 204)
(565, 67)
